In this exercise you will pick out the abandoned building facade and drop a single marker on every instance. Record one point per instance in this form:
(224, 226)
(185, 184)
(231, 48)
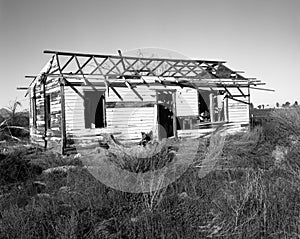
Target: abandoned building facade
(77, 98)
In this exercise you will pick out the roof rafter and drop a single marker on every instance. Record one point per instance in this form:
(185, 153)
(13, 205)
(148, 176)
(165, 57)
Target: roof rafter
(116, 70)
(112, 66)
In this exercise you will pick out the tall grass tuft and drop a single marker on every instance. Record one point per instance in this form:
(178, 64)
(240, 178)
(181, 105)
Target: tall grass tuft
(284, 125)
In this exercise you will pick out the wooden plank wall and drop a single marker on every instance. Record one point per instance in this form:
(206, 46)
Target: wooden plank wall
(76, 133)
(237, 111)
(186, 102)
(136, 117)
(125, 119)
(37, 134)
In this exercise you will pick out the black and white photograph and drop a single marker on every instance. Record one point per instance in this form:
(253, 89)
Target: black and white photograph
(139, 119)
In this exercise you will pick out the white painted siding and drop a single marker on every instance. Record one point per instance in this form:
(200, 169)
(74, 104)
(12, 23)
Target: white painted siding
(130, 122)
(128, 95)
(74, 107)
(186, 102)
(238, 111)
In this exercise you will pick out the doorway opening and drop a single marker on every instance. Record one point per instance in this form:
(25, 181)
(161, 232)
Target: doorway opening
(94, 109)
(166, 113)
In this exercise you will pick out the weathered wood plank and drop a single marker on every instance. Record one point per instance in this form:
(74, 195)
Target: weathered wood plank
(130, 104)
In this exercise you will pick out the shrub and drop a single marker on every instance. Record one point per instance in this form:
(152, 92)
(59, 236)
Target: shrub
(15, 168)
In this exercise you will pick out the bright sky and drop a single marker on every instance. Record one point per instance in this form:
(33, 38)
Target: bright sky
(260, 37)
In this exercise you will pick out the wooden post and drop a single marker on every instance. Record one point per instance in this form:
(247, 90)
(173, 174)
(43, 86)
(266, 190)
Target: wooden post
(63, 117)
(34, 107)
(226, 110)
(157, 117)
(44, 77)
(212, 107)
(249, 105)
(174, 114)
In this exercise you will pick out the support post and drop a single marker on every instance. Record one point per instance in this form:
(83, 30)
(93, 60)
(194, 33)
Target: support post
(174, 115)
(63, 117)
(212, 107)
(250, 110)
(45, 110)
(226, 110)
(34, 108)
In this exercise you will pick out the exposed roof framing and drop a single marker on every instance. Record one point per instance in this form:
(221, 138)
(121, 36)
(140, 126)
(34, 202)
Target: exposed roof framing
(119, 66)
(128, 71)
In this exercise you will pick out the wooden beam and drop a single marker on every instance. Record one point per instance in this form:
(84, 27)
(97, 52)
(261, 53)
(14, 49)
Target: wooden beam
(34, 78)
(115, 65)
(134, 91)
(63, 119)
(144, 66)
(241, 101)
(249, 108)
(128, 57)
(226, 113)
(170, 67)
(130, 65)
(34, 111)
(145, 82)
(130, 104)
(108, 85)
(90, 84)
(211, 107)
(116, 92)
(122, 60)
(255, 88)
(244, 96)
(44, 77)
(84, 64)
(156, 67)
(67, 63)
(98, 66)
(67, 83)
(228, 92)
(83, 76)
(192, 69)
(161, 82)
(241, 92)
(174, 115)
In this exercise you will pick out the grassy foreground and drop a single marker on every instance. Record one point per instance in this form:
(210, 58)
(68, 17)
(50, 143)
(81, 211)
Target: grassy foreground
(252, 192)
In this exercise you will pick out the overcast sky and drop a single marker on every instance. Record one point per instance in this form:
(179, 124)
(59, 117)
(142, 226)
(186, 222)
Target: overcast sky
(260, 37)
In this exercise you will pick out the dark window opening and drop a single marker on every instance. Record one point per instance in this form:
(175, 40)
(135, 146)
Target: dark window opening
(203, 105)
(94, 109)
(166, 117)
(48, 111)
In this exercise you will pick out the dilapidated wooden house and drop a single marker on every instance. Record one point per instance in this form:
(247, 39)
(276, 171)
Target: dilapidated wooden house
(76, 98)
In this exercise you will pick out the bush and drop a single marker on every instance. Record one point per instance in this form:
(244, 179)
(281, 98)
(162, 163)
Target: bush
(15, 168)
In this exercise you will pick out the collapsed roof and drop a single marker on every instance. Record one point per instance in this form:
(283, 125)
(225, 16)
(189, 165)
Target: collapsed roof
(128, 71)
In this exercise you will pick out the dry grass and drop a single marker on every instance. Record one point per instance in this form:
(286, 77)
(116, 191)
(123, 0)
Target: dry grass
(246, 196)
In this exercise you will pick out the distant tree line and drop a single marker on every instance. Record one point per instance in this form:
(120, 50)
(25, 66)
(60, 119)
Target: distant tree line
(287, 104)
(277, 105)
